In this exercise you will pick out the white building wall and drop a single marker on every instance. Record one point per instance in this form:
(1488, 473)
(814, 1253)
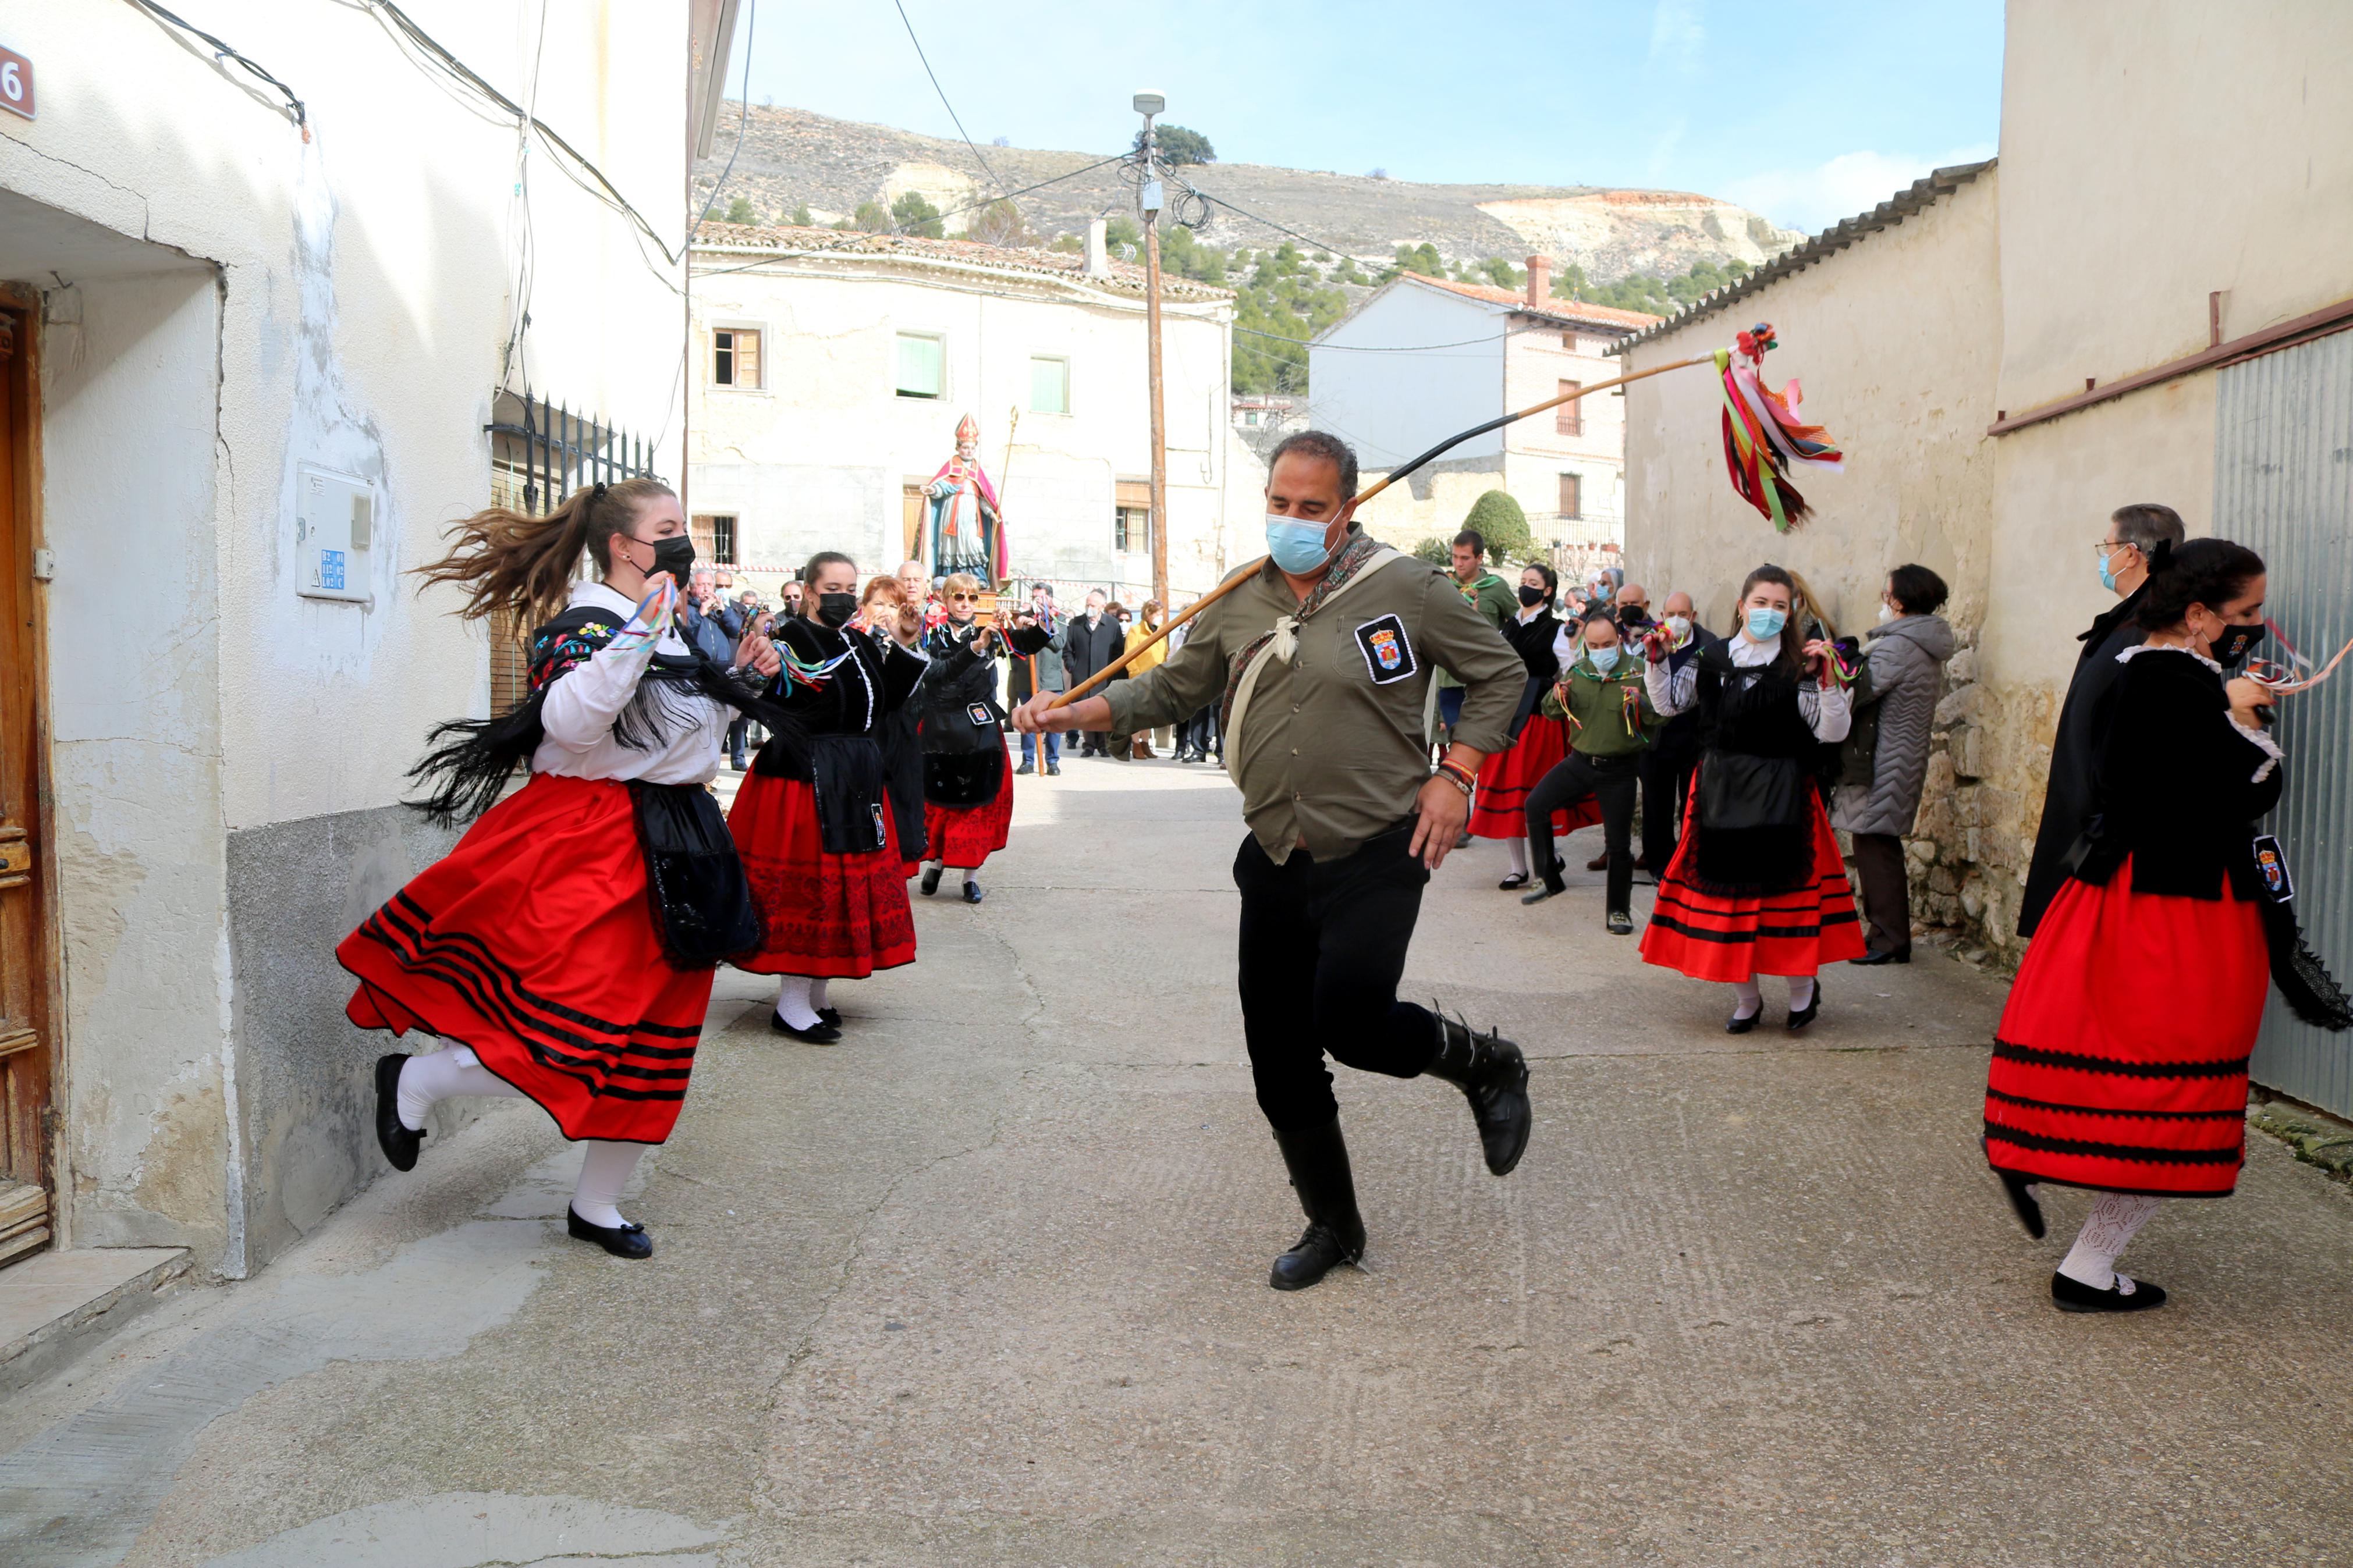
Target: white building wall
(815, 459)
(226, 301)
(1390, 403)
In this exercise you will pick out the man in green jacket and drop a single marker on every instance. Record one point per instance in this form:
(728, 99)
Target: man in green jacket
(1610, 723)
(1487, 593)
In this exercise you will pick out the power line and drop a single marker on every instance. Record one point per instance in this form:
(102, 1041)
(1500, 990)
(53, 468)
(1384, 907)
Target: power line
(222, 51)
(742, 121)
(943, 96)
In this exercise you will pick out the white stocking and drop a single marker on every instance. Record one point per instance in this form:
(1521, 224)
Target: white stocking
(1802, 992)
(439, 1075)
(604, 1171)
(2106, 1232)
(793, 1001)
(1752, 1001)
(816, 993)
(1519, 848)
(969, 874)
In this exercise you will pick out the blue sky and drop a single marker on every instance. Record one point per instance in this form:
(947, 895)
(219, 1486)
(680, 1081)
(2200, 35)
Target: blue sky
(1807, 113)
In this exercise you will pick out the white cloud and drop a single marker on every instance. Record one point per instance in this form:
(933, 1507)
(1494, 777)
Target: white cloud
(1677, 36)
(1813, 199)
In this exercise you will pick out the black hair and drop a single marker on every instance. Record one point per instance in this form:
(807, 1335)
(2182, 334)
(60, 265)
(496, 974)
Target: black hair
(1603, 618)
(817, 563)
(1916, 590)
(1318, 444)
(2208, 572)
(1787, 661)
(2145, 525)
(1551, 577)
(1474, 539)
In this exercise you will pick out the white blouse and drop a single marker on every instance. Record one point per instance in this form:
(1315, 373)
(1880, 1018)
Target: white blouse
(1673, 691)
(583, 702)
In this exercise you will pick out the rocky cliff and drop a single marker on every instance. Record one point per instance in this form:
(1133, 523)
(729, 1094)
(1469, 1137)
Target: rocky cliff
(791, 157)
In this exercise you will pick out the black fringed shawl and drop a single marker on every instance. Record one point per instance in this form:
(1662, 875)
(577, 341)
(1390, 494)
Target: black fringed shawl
(470, 760)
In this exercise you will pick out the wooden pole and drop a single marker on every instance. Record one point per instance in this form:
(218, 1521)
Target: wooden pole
(1157, 524)
(1238, 578)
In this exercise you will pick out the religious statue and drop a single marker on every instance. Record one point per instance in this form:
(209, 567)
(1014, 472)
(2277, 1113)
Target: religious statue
(965, 531)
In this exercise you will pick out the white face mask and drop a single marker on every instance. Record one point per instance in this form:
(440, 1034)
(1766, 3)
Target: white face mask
(1886, 612)
(1679, 626)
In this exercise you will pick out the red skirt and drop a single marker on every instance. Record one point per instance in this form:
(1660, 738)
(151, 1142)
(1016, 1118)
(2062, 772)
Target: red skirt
(2121, 1061)
(1501, 807)
(840, 917)
(534, 942)
(1711, 935)
(964, 835)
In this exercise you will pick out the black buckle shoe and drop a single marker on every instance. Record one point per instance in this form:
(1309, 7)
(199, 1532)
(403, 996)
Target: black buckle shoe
(622, 1240)
(1813, 1009)
(830, 1016)
(1514, 882)
(2126, 1295)
(1737, 1025)
(1493, 1075)
(972, 893)
(392, 1134)
(931, 882)
(1317, 1159)
(818, 1034)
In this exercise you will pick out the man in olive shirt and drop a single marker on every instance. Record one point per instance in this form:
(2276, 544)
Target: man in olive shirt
(1323, 659)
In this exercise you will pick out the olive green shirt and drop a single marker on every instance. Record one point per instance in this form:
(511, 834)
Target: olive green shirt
(1492, 597)
(1332, 750)
(1598, 703)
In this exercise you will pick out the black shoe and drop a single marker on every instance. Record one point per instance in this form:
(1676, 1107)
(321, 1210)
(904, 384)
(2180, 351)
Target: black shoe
(1517, 880)
(1552, 889)
(1812, 1010)
(1053, 770)
(931, 882)
(1599, 862)
(2074, 1296)
(1893, 955)
(399, 1144)
(1737, 1025)
(2022, 1203)
(972, 893)
(818, 1034)
(1494, 1074)
(830, 1016)
(1025, 769)
(1317, 1160)
(622, 1240)
(1620, 923)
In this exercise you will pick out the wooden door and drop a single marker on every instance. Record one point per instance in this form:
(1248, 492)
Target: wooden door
(912, 508)
(25, 953)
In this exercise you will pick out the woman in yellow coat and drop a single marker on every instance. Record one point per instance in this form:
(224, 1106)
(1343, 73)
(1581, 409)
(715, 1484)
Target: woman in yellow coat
(1147, 627)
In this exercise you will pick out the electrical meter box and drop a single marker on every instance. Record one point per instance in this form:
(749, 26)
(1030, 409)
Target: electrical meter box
(335, 535)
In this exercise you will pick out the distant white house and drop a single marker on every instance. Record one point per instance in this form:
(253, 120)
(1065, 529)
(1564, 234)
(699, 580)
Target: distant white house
(830, 370)
(1422, 358)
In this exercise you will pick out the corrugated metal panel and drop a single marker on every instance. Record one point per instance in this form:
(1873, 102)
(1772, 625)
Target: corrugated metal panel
(2283, 487)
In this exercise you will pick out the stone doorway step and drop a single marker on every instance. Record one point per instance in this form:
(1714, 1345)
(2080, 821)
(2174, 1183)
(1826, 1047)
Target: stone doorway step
(52, 1301)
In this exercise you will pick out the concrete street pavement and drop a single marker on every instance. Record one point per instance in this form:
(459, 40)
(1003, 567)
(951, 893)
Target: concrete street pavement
(984, 1284)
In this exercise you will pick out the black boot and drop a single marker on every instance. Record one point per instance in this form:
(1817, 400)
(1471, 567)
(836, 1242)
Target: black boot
(1318, 1162)
(1495, 1075)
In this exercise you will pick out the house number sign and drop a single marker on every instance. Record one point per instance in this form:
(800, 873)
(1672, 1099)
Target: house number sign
(16, 84)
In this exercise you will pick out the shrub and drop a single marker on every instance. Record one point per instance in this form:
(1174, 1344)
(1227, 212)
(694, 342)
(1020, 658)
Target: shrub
(1498, 518)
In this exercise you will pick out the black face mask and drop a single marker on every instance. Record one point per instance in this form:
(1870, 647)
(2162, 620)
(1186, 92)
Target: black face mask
(2230, 649)
(674, 555)
(1633, 615)
(1532, 597)
(835, 609)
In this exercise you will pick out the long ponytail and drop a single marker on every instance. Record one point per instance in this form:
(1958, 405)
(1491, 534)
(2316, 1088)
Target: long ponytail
(523, 565)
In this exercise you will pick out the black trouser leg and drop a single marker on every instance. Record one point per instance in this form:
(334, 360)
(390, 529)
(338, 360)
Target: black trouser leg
(1886, 895)
(1615, 780)
(1664, 783)
(1570, 780)
(1322, 950)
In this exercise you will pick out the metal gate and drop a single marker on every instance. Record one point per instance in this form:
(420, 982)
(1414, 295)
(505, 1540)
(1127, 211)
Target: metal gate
(2283, 487)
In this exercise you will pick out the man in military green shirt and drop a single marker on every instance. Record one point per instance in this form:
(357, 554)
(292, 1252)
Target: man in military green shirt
(1322, 660)
(1489, 594)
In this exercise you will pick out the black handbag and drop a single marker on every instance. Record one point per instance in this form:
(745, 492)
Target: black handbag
(702, 908)
(1738, 792)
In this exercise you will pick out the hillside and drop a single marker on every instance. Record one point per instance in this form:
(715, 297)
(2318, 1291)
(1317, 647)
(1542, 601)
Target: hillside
(791, 158)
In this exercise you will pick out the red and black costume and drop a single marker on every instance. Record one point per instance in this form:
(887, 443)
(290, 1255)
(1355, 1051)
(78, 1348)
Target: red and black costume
(967, 779)
(1500, 807)
(814, 822)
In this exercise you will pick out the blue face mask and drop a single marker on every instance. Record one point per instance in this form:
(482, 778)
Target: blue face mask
(1604, 660)
(1297, 547)
(1764, 623)
(2108, 571)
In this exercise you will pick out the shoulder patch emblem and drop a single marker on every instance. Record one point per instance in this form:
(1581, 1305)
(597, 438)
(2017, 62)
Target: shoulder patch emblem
(1389, 652)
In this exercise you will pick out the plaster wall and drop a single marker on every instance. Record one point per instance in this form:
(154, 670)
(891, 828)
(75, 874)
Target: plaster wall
(352, 304)
(1537, 453)
(1391, 404)
(817, 458)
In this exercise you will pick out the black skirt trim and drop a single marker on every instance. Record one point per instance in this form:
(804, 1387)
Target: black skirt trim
(2035, 1056)
(2137, 1153)
(555, 1009)
(1739, 938)
(2022, 1101)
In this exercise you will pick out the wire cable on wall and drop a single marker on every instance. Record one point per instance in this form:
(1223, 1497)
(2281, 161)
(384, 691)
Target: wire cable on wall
(222, 52)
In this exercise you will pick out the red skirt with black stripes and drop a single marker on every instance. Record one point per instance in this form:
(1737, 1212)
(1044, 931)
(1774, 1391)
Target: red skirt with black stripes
(1712, 933)
(534, 942)
(2121, 1061)
(833, 916)
(1500, 809)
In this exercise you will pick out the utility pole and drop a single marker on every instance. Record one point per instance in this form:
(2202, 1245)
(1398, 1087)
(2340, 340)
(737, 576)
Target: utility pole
(1149, 104)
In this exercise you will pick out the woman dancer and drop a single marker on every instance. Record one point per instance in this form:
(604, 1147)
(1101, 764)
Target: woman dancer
(2121, 1062)
(533, 947)
(1756, 886)
(1611, 722)
(883, 611)
(967, 781)
(1500, 809)
(819, 845)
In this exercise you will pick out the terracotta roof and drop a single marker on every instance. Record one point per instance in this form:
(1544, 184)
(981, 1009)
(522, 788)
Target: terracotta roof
(1922, 194)
(1124, 276)
(1555, 309)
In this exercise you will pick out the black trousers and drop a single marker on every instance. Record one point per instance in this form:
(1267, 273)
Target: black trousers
(1886, 893)
(1666, 786)
(1322, 948)
(1613, 780)
(1201, 730)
